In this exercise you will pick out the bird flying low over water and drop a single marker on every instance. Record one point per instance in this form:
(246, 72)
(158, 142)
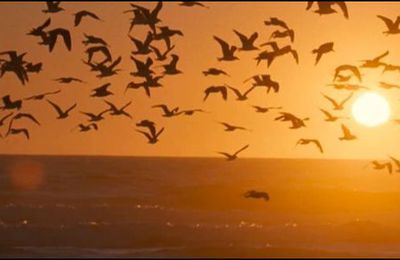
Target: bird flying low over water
(252, 194)
(231, 157)
(310, 141)
(380, 166)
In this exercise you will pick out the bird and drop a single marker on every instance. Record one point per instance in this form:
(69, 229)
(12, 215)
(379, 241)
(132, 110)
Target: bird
(149, 17)
(215, 72)
(143, 68)
(380, 166)
(247, 42)
(121, 111)
(231, 157)
(390, 67)
(95, 117)
(375, 62)
(216, 89)
(167, 112)
(192, 3)
(329, 116)
(62, 114)
(152, 136)
(338, 106)
(351, 87)
(166, 34)
(283, 34)
(396, 162)
(264, 109)
(15, 64)
(142, 47)
(42, 96)
(33, 68)
(25, 115)
(86, 128)
(256, 195)
(161, 56)
(240, 96)
(296, 122)
(4, 118)
(310, 141)
(100, 48)
(385, 85)
(53, 7)
(91, 39)
(325, 7)
(351, 68)
(274, 21)
(38, 31)
(270, 56)
(264, 80)
(16, 131)
(106, 70)
(50, 38)
(170, 69)
(341, 78)
(347, 135)
(228, 52)
(231, 128)
(323, 49)
(81, 14)
(190, 112)
(392, 26)
(10, 105)
(102, 91)
(67, 80)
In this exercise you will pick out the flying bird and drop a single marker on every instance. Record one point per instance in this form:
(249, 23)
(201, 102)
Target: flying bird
(10, 105)
(161, 56)
(216, 89)
(283, 34)
(310, 141)
(396, 162)
(380, 166)
(392, 26)
(16, 131)
(274, 21)
(95, 117)
(142, 47)
(247, 42)
(296, 122)
(241, 96)
(214, 72)
(53, 7)
(347, 135)
(170, 69)
(232, 128)
(25, 115)
(338, 106)
(87, 128)
(4, 118)
(118, 111)
(325, 7)
(42, 96)
(323, 49)
(329, 116)
(167, 112)
(228, 52)
(50, 38)
(102, 91)
(256, 195)
(375, 62)
(264, 109)
(81, 14)
(152, 136)
(192, 3)
(67, 80)
(231, 157)
(385, 85)
(62, 114)
(91, 39)
(353, 69)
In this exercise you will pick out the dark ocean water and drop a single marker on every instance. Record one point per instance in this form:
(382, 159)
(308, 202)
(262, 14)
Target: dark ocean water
(182, 207)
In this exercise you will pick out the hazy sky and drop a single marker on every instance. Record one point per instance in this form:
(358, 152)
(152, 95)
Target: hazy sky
(355, 39)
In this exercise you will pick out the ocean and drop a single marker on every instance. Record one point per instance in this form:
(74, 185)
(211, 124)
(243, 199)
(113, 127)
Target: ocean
(82, 206)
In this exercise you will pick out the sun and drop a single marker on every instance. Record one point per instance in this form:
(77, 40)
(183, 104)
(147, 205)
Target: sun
(371, 109)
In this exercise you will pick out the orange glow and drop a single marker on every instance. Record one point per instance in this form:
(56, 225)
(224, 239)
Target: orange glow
(26, 175)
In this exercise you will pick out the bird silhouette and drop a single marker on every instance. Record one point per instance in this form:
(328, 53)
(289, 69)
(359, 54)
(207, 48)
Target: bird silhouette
(10, 105)
(33, 68)
(256, 195)
(95, 117)
(38, 31)
(232, 128)
(25, 115)
(215, 72)
(385, 85)
(283, 34)
(167, 112)
(228, 52)
(325, 7)
(81, 14)
(192, 3)
(143, 68)
(310, 141)
(396, 162)
(347, 135)
(146, 16)
(216, 89)
(102, 91)
(170, 69)
(67, 80)
(264, 109)
(390, 67)
(166, 34)
(336, 105)
(106, 70)
(62, 114)
(152, 136)
(142, 47)
(380, 166)
(375, 62)
(247, 42)
(190, 112)
(16, 131)
(270, 56)
(351, 68)
(329, 116)
(161, 56)
(4, 118)
(264, 80)
(118, 111)
(96, 49)
(239, 95)
(231, 157)
(50, 38)
(323, 49)
(392, 26)
(91, 39)
(296, 122)
(14, 64)
(350, 87)
(274, 21)
(53, 7)
(87, 128)
(42, 96)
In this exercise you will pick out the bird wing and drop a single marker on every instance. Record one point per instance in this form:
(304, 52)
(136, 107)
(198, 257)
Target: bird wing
(25, 132)
(56, 107)
(248, 91)
(224, 93)
(70, 109)
(309, 4)
(127, 104)
(159, 132)
(163, 107)
(241, 149)
(112, 106)
(345, 130)
(66, 37)
(343, 6)
(237, 92)
(224, 46)
(381, 56)
(329, 115)
(318, 144)
(331, 100)
(157, 9)
(387, 21)
(115, 63)
(241, 36)
(29, 116)
(346, 99)
(396, 161)
(145, 134)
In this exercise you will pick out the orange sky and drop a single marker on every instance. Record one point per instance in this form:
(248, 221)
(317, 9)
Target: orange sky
(355, 39)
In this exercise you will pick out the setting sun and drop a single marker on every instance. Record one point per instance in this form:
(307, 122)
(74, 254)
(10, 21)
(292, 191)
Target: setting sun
(371, 109)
